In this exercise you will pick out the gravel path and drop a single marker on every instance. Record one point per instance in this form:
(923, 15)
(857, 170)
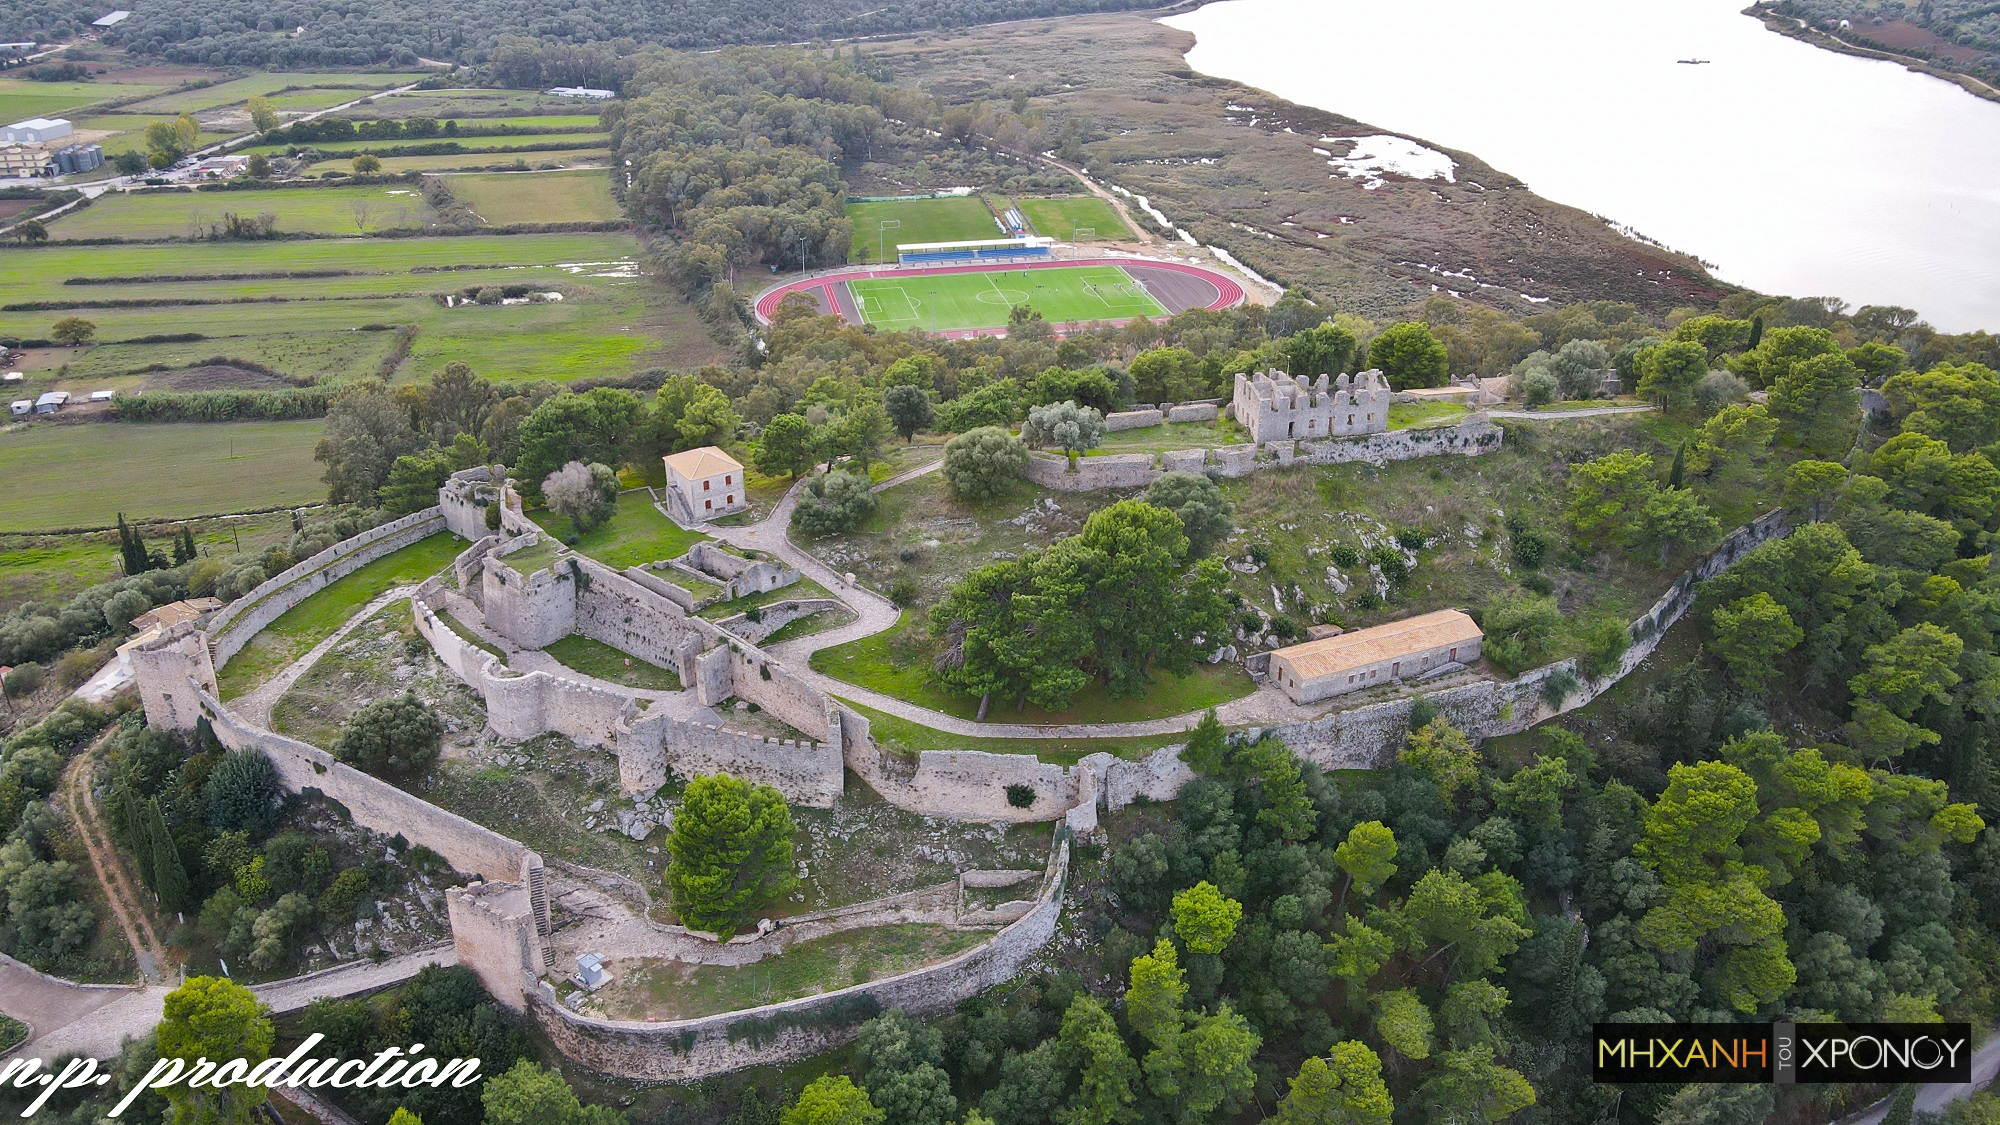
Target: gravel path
(257, 705)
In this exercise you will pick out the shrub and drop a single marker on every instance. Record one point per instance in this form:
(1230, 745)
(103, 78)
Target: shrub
(241, 794)
(22, 679)
(78, 666)
(905, 591)
(833, 502)
(396, 736)
(981, 463)
(1346, 557)
(1021, 796)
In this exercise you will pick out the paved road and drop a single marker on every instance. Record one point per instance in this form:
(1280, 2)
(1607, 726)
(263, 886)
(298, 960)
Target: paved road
(1932, 1097)
(81, 1021)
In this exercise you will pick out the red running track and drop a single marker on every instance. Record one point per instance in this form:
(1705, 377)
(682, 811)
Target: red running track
(829, 291)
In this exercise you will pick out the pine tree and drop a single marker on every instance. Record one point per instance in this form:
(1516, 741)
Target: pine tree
(170, 878)
(1679, 470)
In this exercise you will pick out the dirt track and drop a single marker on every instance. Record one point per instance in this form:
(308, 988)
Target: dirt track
(121, 886)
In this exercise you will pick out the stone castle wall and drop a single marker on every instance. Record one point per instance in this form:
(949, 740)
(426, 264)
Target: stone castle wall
(465, 498)
(1132, 420)
(233, 626)
(773, 617)
(807, 773)
(374, 803)
(633, 619)
(493, 933)
(689, 1050)
(1470, 438)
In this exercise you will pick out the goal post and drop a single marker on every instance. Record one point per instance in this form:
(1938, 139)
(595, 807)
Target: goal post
(882, 229)
(1083, 234)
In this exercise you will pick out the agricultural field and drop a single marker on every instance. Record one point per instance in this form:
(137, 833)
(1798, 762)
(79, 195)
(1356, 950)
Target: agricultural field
(267, 83)
(52, 567)
(21, 99)
(612, 319)
(125, 132)
(1062, 218)
(464, 105)
(952, 219)
(502, 198)
(490, 161)
(83, 476)
(512, 142)
(945, 302)
(315, 210)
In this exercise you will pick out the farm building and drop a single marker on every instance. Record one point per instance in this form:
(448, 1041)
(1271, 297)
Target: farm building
(111, 20)
(21, 161)
(36, 130)
(22, 406)
(1406, 649)
(581, 92)
(51, 401)
(707, 482)
(71, 159)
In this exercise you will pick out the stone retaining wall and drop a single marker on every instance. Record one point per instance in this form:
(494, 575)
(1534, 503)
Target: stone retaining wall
(1132, 420)
(775, 616)
(689, 1050)
(1117, 470)
(233, 626)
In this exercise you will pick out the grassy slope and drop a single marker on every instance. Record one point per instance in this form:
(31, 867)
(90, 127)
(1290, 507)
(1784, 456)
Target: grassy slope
(874, 663)
(595, 658)
(954, 219)
(539, 197)
(320, 615)
(83, 476)
(670, 990)
(636, 534)
(1059, 218)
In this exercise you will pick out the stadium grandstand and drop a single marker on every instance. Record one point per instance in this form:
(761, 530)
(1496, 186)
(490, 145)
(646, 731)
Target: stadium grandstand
(979, 250)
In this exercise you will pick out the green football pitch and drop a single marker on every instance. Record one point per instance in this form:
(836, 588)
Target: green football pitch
(952, 301)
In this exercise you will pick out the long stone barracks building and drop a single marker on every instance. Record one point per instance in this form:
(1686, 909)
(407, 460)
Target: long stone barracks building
(1400, 650)
(1275, 406)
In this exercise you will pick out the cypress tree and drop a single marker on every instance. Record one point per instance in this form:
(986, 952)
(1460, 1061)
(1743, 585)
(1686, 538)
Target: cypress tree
(183, 547)
(1756, 330)
(170, 879)
(1679, 470)
(130, 549)
(136, 829)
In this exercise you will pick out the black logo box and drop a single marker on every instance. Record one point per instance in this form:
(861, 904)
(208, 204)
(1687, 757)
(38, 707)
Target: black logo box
(1781, 1052)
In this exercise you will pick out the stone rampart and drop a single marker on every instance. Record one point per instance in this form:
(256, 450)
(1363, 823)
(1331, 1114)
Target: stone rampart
(1117, 470)
(689, 1050)
(1183, 460)
(533, 607)
(807, 773)
(493, 933)
(233, 626)
(372, 802)
(464, 499)
(470, 564)
(740, 577)
(1192, 412)
(1470, 438)
(679, 595)
(759, 679)
(773, 617)
(634, 619)
(1132, 420)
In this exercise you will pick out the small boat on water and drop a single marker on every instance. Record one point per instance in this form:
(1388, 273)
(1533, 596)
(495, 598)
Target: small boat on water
(1693, 62)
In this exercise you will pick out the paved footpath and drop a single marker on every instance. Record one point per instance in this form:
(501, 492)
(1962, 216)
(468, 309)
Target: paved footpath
(94, 1020)
(875, 614)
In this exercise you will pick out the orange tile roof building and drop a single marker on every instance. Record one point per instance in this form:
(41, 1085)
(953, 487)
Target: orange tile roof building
(707, 482)
(1365, 658)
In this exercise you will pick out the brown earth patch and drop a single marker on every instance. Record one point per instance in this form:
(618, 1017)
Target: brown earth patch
(1902, 35)
(214, 377)
(12, 207)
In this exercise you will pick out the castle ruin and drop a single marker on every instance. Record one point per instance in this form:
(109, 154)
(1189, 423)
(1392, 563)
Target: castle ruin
(1275, 406)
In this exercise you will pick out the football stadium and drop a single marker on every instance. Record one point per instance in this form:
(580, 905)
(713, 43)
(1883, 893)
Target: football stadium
(960, 289)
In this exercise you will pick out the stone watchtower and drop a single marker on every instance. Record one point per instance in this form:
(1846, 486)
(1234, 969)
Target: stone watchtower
(1275, 406)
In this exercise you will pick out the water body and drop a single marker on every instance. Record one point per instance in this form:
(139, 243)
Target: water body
(1795, 170)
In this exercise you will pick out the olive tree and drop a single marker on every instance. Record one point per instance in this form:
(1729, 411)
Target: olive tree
(1064, 425)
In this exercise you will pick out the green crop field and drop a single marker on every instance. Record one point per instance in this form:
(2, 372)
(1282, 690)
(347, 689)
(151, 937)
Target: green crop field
(317, 210)
(612, 320)
(501, 198)
(1060, 218)
(480, 105)
(954, 219)
(242, 89)
(583, 121)
(514, 142)
(83, 476)
(305, 101)
(572, 158)
(944, 302)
